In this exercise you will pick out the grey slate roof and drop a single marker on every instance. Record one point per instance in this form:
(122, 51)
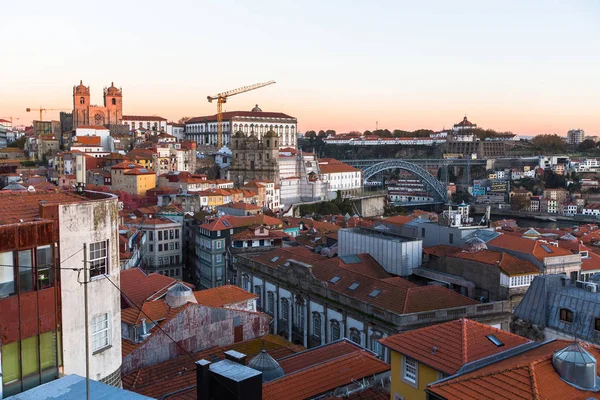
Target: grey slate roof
(546, 296)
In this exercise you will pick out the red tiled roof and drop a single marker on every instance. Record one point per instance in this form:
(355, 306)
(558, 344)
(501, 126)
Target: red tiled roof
(456, 343)
(89, 140)
(142, 118)
(527, 246)
(308, 358)
(139, 287)
(23, 205)
(232, 114)
(335, 168)
(368, 266)
(239, 222)
(126, 165)
(155, 310)
(529, 375)
(396, 294)
(139, 171)
(508, 264)
(97, 127)
(324, 377)
(399, 219)
(180, 373)
(223, 296)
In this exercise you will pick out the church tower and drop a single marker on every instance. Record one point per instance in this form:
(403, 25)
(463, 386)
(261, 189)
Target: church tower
(113, 102)
(81, 105)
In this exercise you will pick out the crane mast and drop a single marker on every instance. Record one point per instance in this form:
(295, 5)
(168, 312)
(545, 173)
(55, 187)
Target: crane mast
(222, 98)
(41, 109)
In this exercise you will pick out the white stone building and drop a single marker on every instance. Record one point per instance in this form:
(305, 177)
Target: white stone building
(203, 130)
(153, 122)
(100, 131)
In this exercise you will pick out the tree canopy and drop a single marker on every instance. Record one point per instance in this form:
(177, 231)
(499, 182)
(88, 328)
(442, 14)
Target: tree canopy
(549, 143)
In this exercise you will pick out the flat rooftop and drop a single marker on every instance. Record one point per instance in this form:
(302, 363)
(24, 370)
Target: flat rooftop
(24, 206)
(380, 231)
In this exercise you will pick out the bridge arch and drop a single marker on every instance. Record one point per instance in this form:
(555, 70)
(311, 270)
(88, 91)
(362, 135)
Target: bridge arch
(430, 181)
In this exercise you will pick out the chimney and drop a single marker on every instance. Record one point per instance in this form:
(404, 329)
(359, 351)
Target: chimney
(235, 356)
(203, 379)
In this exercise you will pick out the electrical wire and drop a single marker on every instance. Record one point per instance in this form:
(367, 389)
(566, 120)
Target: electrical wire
(31, 267)
(151, 320)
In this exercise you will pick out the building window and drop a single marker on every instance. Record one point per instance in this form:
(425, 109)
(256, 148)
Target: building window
(176, 245)
(151, 247)
(176, 233)
(300, 315)
(81, 100)
(100, 332)
(114, 102)
(171, 234)
(285, 309)
(171, 246)
(160, 247)
(335, 330)
(159, 235)
(151, 235)
(566, 315)
(597, 324)
(25, 271)
(271, 303)
(355, 335)
(7, 274)
(98, 258)
(219, 258)
(450, 238)
(410, 370)
(246, 283)
(257, 292)
(44, 267)
(316, 321)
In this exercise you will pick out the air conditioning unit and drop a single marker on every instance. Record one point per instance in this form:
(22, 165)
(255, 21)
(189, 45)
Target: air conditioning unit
(591, 287)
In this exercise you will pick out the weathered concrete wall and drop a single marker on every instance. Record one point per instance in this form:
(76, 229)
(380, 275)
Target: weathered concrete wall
(370, 206)
(195, 328)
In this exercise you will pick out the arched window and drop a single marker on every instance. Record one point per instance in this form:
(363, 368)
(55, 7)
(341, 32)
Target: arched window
(235, 127)
(236, 143)
(276, 143)
(335, 330)
(114, 102)
(257, 291)
(316, 324)
(287, 129)
(299, 314)
(246, 282)
(355, 335)
(268, 143)
(81, 100)
(285, 309)
(271, 303)
(375, 345)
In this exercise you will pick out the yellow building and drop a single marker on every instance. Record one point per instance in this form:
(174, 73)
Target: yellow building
(423, 356)
(132, 178)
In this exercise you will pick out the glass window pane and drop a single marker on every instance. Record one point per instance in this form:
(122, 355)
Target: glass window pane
(11, 370)
(25, 271)
(29, 355)
(7, 275)
(47, 350)
(44, 267)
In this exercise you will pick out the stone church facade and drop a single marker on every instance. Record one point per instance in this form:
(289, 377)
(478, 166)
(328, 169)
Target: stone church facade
(254, 158)
(84, 113)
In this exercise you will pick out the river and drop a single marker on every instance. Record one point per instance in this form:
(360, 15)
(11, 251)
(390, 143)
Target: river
(533, 223)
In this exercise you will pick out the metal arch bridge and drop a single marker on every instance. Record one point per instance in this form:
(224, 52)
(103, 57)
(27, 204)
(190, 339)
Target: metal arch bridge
(430, 181)
(450, 162)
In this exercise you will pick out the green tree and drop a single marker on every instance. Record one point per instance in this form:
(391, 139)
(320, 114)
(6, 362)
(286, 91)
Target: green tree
(19, 143)
(550, 143)
(183, 120)
(586, 145)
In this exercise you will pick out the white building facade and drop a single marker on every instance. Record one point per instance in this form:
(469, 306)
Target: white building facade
(154, 123)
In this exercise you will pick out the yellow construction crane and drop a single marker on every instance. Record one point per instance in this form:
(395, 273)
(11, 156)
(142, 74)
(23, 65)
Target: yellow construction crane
(222, 98)
(46, 109)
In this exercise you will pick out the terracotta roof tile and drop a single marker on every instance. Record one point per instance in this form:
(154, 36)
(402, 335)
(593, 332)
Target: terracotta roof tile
(456, 342)
(89, 140)
(223, 296)
(322, 378)
(308, 358)
(142, 118)
(395, 294)
(23, 205)
(529, 375)
(139, 287)
(527, 246)
(179, 373)
(232, 114)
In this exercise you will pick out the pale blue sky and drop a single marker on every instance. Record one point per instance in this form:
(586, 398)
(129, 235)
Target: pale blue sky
(529, 67)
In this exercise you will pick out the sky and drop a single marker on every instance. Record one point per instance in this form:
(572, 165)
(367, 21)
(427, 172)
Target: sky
(529, 67)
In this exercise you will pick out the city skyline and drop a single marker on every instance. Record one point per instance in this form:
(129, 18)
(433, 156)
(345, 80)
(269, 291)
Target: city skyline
(525, 68)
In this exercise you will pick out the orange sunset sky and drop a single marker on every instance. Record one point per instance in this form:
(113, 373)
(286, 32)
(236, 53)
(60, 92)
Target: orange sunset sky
(527, 68)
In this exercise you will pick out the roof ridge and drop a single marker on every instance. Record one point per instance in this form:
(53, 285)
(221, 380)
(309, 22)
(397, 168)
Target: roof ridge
(464, 337)
(532, 380)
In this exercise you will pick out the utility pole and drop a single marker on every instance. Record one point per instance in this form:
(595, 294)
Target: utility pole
(87, 339)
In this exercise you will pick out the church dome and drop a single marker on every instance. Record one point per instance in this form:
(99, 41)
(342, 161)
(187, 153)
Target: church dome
(256, 109)
(474, 245)
(112, 90)
(266, 364)
(239, 134)
(81, 88)
(271, 133)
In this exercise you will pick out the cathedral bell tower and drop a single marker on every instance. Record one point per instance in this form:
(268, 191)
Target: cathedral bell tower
(113, 102)
(81, 105)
